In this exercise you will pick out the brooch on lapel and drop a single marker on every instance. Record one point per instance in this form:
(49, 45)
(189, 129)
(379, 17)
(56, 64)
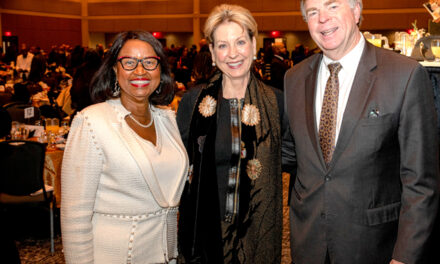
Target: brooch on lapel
(253, 169)
(207, 106)
(250, 115)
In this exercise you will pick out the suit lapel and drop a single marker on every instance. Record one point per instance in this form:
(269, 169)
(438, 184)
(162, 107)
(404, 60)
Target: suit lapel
(173, 131)
(310, 86)
(357, 99)
(128, 138)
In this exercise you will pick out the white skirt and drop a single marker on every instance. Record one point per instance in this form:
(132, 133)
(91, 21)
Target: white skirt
(140, 239)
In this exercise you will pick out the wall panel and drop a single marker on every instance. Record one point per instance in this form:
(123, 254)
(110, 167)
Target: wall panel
(386, 4)
(43, 31)
(112, 17)
(157, 24)
(180, 6)
(281, 5)
(285, 23)
(394, 22)
(47, 6)
(141, 8)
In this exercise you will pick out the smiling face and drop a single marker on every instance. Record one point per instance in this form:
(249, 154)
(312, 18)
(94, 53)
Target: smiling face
(137, 85)
(233, 50)
(333, 26)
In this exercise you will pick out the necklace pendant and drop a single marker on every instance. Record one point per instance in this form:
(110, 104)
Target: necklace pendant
(140, 124)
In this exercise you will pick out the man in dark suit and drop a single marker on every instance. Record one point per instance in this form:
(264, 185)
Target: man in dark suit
(363, 120)
(278, 65)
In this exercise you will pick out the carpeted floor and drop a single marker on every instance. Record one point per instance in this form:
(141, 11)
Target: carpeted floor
(28, 226)
(37, 251)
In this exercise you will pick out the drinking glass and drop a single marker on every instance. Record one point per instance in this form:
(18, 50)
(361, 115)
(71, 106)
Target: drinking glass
(64, 129)
(15, 127)
(435, 48)
(52, 128)
(23, 132)
(51, 140)
(375, 39)
(52, 125)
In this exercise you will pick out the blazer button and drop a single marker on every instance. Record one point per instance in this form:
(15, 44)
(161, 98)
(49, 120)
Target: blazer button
(327, 178)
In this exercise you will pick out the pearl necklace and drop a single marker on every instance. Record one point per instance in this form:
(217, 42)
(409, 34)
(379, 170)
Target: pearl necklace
(139, 123)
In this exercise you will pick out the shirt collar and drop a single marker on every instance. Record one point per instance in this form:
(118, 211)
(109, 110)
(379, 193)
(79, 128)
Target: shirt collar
(351, 59)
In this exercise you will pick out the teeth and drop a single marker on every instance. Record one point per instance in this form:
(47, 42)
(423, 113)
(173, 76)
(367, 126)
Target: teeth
(328, 32)
(139, 82)
(235, 64)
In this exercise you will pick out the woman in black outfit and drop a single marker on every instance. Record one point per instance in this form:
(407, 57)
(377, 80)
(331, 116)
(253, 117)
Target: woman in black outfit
(232, 127)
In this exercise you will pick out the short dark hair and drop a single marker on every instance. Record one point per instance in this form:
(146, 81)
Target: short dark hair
(103, 81)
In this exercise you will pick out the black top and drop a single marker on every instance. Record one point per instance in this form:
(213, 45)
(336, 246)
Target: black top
(223, 137)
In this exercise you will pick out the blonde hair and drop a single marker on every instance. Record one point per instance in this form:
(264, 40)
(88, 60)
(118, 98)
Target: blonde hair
(230, 13)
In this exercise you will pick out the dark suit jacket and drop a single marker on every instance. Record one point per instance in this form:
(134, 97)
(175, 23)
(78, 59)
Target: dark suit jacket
(277, 70)
(379, 196)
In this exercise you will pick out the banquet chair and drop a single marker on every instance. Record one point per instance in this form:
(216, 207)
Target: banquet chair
(21, 180)
(16, 111)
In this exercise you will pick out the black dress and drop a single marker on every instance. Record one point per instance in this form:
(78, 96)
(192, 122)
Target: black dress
(248, 239)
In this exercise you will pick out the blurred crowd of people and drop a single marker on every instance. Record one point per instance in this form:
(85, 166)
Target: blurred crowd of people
(56, 83)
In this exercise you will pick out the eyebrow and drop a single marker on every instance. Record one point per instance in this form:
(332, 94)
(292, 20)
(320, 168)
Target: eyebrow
(226, 41)
(311, 9)
(123, 57)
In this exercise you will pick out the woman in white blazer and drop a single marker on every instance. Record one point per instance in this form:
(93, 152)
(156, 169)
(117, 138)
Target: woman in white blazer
(124, 165)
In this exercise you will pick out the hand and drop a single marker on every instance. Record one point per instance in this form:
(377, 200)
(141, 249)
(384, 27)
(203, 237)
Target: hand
(393, 261)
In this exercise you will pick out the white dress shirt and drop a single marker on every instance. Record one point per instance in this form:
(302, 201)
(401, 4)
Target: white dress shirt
(24, 63)
(346, 75)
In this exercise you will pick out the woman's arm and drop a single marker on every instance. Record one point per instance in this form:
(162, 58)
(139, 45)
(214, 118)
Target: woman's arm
(81, 170)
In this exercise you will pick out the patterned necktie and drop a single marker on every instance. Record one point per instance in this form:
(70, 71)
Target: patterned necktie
(329, 112)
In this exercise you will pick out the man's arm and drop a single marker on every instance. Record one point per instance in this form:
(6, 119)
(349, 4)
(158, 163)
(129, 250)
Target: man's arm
(419, 173)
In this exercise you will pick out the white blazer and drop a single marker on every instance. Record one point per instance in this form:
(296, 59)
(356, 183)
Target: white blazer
(113, 207)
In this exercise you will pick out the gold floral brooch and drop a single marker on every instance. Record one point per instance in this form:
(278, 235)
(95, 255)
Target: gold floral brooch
(250, 115)
(253, 169)
(207, 106)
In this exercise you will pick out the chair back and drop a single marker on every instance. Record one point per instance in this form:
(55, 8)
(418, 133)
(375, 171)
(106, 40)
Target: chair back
(16, 111)
(22, 165)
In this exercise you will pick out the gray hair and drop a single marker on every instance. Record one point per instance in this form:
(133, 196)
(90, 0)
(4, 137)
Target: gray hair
(352, 4)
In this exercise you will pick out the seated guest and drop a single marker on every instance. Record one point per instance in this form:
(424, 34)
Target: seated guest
(24, 60)
(21, 93)
(202, 68)
(5, 97)
(80, 91)
(278, 65)
(20, 101)
(37, 69)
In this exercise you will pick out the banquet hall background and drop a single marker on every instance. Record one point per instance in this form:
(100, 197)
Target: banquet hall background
(66, 26)
(178, 22)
